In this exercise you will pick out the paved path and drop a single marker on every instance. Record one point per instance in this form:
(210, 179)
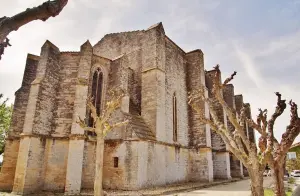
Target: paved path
(231, 189)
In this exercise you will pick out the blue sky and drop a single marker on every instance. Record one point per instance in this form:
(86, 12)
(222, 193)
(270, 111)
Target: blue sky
(258, 39)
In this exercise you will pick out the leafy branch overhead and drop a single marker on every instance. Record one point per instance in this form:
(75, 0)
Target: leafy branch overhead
(269, 149)
(43, 12)
(102, 122)
(102, 125)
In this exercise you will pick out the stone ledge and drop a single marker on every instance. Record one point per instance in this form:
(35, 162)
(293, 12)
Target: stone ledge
(23, 135)
(90, 139)
(77, 137)
(153, 68)
(202, 149)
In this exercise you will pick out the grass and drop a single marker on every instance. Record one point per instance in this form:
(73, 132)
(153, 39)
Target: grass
(269, 192)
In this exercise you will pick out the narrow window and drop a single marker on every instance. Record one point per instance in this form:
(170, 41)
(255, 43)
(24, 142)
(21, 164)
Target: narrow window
(116, 162)
(96, 92)
(174, 118)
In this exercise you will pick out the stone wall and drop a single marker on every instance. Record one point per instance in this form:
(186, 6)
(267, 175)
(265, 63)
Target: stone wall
(121, 176)
(47, 80)
(55, 164)
(239, 101)
(221, 165)
(251, 133)
(134, 62)
(88, 167)
(17, 123)
(76, 142)
(63, 113)
(153, 91)
(235, 164)
(199, 134)
(22, 94)
(8, 168)
(160, 164)
(176, 86)
(151, 69)
(228, 94)
(235, 167)
(201, 165)
(216, 140)
(115, 44)
(144, 164)
(29, 176)
(38, 120)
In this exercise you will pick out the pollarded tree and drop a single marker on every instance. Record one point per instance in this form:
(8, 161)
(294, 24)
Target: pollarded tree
(43, 12)
(102, 126)
(269, 149)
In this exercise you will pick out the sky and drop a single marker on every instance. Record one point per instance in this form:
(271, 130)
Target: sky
(258, 39)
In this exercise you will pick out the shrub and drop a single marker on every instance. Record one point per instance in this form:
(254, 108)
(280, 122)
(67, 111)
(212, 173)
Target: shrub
(291, 180)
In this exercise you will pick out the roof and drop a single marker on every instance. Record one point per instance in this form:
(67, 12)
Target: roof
(295, 145)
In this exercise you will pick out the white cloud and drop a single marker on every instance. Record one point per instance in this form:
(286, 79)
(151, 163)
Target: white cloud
(247, 62)
(262, 96)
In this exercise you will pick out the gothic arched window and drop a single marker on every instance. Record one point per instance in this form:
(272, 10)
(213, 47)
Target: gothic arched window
(97, 86)
(174, 118)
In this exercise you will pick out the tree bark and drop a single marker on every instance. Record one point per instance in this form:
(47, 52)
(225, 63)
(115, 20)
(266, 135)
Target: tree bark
(278, 176)
(98, 189)
(256, 180)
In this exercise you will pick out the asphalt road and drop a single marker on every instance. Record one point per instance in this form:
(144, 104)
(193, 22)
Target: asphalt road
(231, 189)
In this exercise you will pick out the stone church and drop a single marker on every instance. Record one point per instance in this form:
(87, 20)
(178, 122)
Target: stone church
(163, 143)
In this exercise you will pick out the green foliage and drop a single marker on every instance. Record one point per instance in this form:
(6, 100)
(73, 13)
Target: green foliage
(5, 118)
(269, 192)
(293, 164)
(291, 180)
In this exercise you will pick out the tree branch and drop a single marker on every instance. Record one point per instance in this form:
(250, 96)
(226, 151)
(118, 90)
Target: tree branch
(217, 89)
(216, 125)
(93, 109)
(112, 105)
(281, 105)
(229, 78)
(292, 130)
(119, 124)
(43, 12)
(3, 45)
(231, 141)
(83, 125)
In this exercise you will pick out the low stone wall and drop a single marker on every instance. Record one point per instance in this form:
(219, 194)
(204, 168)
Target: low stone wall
(144, 164)
(221, 164)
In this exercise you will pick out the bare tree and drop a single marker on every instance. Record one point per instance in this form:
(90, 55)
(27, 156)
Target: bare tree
(43, 12)
(254, 158)
(102, 126)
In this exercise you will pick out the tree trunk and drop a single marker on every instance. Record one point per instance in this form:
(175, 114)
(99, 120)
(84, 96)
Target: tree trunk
(98, 190)
(256, 180)
(278, 175)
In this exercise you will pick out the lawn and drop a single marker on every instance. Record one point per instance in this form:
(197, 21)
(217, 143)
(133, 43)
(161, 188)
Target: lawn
(269, 192)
